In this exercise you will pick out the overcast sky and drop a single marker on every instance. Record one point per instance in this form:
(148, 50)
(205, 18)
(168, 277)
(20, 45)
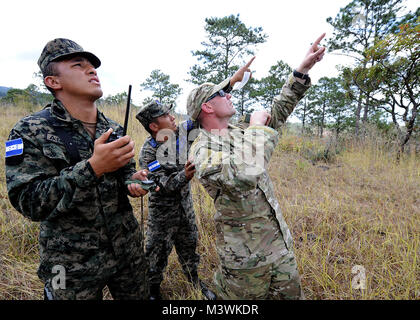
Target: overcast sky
(132, 38)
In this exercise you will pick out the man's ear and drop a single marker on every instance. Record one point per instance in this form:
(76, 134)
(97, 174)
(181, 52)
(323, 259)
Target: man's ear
(53, 82)
(207, 108)
(153, 126)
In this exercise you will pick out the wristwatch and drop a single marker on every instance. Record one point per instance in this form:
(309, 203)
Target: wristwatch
(302, 76)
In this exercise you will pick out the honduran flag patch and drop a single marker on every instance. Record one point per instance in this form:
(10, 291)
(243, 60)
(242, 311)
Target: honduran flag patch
(14, 147)
(153, 166)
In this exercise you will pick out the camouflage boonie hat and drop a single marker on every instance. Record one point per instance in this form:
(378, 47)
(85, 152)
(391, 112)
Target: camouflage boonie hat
(151, 111)
(60, 48)
(200, 94)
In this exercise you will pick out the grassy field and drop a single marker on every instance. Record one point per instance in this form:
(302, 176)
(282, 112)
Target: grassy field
(360, 210)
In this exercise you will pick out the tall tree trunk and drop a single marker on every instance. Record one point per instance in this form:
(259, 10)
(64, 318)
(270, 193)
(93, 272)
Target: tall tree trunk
(305, 105)
(322, 119)
(366, 110)
(357, 113)
(337, 128)
(360, 100)
(410, 128)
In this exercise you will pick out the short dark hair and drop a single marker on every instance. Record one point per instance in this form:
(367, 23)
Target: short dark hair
(155, 120)
(50, 70)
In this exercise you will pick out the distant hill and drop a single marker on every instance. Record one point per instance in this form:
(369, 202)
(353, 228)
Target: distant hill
(3, 91)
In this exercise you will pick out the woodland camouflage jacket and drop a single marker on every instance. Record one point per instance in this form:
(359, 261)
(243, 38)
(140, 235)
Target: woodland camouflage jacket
(82, 218)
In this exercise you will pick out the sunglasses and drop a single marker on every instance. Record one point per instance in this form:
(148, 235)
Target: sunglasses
(218, 93)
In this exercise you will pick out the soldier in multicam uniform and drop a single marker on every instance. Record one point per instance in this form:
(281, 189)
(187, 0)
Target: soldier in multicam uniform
(253, 241)
(171, 217)
(62, 171)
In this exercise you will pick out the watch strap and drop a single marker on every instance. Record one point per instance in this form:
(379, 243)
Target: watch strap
(302, 76)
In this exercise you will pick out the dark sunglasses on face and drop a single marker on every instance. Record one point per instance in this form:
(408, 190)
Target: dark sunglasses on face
(218, 93)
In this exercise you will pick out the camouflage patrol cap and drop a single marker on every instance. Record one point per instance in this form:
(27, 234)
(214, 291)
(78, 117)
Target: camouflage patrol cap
(151, 111)
(200, 94)
(60, 48)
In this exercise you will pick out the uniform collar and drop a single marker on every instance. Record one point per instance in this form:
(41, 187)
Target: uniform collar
(208, 133)
(61, 113)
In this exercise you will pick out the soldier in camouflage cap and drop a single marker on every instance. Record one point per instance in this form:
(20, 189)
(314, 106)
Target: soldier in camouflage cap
(203, 93)
(61, 48)
(62, 171)
(151, 111)
(171, 217)
(253, 242)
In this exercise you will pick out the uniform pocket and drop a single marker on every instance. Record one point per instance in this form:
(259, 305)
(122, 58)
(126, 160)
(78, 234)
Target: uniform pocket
(56, 153)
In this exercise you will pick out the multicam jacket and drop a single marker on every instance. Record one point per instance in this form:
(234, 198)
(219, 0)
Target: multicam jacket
(251, 231)
(82, 217)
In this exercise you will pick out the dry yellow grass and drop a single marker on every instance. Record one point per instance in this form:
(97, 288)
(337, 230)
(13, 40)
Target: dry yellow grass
(361, 209)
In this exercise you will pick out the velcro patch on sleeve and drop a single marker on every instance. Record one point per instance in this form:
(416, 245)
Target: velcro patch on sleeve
(14, 148)
(153, 166)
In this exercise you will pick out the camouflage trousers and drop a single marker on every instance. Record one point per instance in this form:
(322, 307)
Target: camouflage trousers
(279, 280)
(128, 282)
(168, 229)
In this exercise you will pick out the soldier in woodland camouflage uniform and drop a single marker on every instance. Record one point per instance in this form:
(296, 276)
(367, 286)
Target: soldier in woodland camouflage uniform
(253, 241)
(62, 171)
(171, 219)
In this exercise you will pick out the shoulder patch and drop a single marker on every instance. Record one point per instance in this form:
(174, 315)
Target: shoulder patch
(14, 152)
(188, 125)
(153, 143)
(14, 148)
(153, 166)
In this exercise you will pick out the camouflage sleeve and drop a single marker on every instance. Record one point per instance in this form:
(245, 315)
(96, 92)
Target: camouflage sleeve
(286, 101)
(241, 169)
(168, 180)
(36, 188)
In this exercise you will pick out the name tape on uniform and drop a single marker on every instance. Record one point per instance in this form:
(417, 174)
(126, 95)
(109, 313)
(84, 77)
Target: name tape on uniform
(14, 147)
(153, 166)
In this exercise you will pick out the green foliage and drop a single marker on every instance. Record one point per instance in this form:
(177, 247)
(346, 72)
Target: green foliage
(229, 40)
(358, 26)
(268, 87)
(245, 99)
(163, 91)
(114, 100)
(29, 98)
(379, 119)
(361, 23)
(304, 109)
(393, 80)
(327, 105)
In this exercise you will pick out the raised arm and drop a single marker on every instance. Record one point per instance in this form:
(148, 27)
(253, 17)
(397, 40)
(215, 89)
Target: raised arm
(295, 87)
